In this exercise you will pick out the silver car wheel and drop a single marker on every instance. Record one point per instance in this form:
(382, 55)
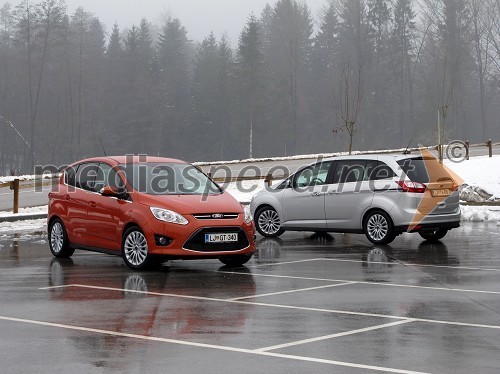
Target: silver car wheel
(57, 237)
(377, 227)
(269, 222)
(136, 248)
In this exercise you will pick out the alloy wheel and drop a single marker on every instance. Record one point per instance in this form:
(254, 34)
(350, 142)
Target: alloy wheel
(377, 227)
(269, 222)
(57, 237)
(136, 248)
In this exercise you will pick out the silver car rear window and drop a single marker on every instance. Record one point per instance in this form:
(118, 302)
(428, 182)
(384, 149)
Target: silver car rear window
(415, 169)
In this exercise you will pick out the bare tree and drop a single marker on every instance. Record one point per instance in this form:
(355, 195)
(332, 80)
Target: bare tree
(350, 101)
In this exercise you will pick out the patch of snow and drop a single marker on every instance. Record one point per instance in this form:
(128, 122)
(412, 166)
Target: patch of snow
(26, 211)
(474, 194)
(20, 226)
(305, 157)
(481, 172)
(481, 214)
(28, 177)
(243, 191)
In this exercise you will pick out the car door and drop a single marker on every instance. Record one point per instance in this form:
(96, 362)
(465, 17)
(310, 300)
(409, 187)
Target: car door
(104, 212)
(78, 201)
(303, 201)
(76, 206)
(349, 195)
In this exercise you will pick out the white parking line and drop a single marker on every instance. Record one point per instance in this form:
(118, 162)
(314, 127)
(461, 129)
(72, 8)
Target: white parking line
(389, 316)
(367, 282)
(413, 264)
(209, 346)
(134, 291)
(338, 335)
(292, 291)
(291, 307)
(283, 263)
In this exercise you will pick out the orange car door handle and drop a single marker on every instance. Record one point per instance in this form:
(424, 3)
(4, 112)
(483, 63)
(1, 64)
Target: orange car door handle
(67, 197)
(92, 204)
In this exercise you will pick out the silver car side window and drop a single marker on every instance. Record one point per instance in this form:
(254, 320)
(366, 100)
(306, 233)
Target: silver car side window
(315, 175)
(349, 171)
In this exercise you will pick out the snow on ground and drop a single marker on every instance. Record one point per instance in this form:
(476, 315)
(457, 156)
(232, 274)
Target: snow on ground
(244, 191)
(305, 157)
(26, 211)
(28, 177)
(480, 171)
(33, 225)
(481, 214)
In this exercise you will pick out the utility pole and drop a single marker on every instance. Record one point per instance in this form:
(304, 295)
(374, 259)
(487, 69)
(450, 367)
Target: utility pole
(440, 153)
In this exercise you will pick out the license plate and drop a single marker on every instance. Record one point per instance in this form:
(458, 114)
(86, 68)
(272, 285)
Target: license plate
(221, 238)
(441, 193)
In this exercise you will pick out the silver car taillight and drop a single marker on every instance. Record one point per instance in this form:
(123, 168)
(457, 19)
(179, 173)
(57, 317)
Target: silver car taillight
(409, 186)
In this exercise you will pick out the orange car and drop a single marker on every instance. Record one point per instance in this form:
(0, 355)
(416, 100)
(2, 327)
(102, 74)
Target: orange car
(144, 208)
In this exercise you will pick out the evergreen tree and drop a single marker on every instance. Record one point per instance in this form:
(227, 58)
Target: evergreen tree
(7, 142)
(145, 45)
(379, 17)
(174, 78)
(132, 52)
(378, 21)
(266, 21)
(354, 67)
(204, 95)
(249, 51)
(114, 50)
(326, 40)
(289, 59)
(324, 73)
(402, 57)
(115, 90)
(95, 68)
(224, 97)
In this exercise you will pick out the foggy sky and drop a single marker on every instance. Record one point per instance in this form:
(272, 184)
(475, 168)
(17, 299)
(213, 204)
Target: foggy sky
(198, 16)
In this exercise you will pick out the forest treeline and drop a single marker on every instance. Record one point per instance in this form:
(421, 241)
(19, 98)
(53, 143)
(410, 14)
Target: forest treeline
(366, 74)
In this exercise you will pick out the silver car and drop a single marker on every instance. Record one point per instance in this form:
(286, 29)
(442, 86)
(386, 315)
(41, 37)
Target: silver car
(381, 196)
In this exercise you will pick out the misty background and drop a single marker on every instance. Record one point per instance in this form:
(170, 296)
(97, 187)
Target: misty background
(360, 74)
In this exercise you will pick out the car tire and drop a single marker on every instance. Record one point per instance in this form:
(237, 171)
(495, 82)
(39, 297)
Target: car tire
(135, 249)
(58, 240)
(236, 260)
(433, 236)
(378, 227)
(267, 222)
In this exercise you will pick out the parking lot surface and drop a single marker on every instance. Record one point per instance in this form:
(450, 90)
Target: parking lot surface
(305, 303)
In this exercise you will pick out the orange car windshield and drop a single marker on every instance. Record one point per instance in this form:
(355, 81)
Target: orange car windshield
(168, 179)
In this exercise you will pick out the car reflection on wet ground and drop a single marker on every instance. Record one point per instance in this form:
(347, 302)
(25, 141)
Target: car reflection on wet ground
(306, 302)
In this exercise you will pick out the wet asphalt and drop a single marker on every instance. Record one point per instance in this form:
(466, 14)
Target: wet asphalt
(304, 304)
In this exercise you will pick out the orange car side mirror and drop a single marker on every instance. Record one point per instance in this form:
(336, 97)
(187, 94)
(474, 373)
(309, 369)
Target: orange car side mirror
(111, 191)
